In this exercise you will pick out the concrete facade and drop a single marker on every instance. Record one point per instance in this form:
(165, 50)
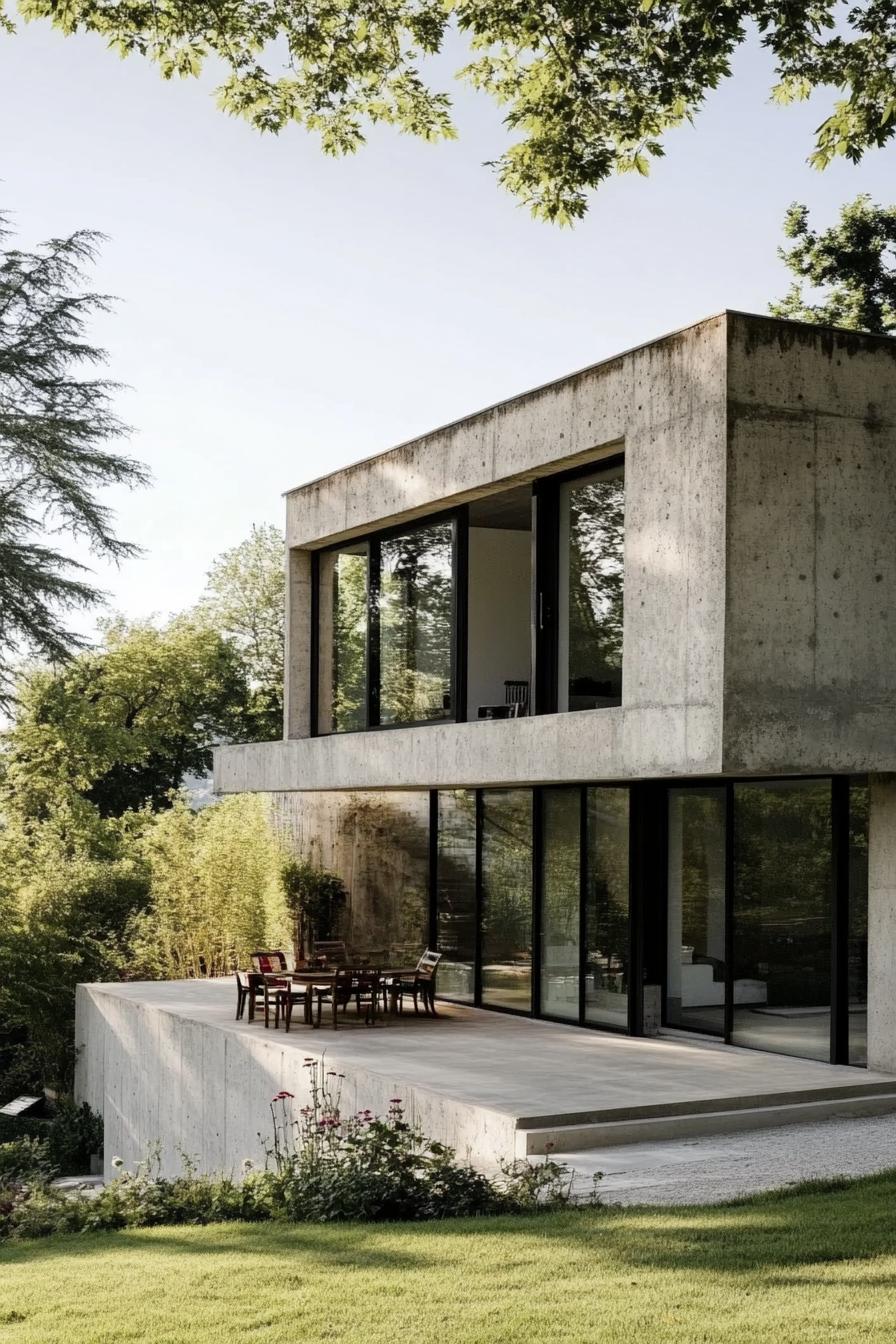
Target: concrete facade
(760, 464)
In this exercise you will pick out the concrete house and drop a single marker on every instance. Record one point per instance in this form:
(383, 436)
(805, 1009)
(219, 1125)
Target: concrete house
(595, 691)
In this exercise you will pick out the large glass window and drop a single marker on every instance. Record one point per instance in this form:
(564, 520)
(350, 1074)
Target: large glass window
(591, 538)
(607, 907)
(561, 826)
(386, 630)
(416, 625)
(507, 898)
(857, 973)
(695, 970)
(342, 679)
(782, 901)
(456, 893)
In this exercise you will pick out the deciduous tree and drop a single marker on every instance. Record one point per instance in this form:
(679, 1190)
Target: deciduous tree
(588, 87)
(851, 267)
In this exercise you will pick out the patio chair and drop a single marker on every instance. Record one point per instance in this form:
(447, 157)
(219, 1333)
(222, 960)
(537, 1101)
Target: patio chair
(289, 997)
(348, 984)
(268, 964)
(422, 985)
(247, 990)
(331, 951)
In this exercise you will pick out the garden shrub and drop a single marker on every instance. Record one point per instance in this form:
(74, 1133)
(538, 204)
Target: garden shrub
(321, 1167)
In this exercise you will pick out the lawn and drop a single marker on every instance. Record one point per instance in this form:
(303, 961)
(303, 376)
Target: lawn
(818, 1264)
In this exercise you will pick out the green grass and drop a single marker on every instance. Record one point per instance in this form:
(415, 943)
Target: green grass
(817, 1264)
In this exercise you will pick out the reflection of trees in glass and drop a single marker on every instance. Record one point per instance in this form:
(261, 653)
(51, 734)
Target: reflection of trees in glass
(507, 875)
(607, 892)
(456, 891)
(701, 817)
(596, 571)
(858, 901)
(349, 654)
(783, 889)
(416, 607)
(560, 901)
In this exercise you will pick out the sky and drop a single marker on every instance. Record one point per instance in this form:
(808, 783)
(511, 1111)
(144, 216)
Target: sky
(282, 314)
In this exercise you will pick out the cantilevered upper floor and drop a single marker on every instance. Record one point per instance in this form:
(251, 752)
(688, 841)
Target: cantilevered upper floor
(678, 562)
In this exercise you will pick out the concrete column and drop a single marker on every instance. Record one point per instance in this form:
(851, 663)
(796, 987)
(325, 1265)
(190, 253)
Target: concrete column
(297, 659)
(882, 923)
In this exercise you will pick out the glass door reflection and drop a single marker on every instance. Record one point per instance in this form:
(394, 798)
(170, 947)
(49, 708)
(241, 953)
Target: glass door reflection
(696, 928)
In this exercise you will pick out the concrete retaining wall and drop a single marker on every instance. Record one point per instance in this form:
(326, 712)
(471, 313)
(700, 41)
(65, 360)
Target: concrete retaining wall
(160, 1077)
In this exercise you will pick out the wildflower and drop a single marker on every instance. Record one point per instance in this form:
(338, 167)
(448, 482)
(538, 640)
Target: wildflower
(291, 1095)
(118, 1163)
(395, 1101)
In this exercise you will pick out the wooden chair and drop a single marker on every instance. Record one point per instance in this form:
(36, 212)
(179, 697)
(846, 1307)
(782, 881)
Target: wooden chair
(331, 951)
(367, 986)
(345, 987)
(247, 991)
(290, 996)
(421, 986)
(268, 964)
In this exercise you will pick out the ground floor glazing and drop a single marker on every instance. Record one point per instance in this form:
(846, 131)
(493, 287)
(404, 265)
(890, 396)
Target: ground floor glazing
(731, 908)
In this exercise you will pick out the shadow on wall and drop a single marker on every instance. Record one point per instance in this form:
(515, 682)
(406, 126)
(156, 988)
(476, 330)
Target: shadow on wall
(379, 845)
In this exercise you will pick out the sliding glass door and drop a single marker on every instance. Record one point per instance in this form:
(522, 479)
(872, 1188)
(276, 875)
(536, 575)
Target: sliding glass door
(455, 887)
(696, 923)
(782, 908)
(561, 904)
(607, 908)
(506, 898)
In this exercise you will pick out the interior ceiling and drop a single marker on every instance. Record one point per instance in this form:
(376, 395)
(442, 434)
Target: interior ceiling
(511, 509)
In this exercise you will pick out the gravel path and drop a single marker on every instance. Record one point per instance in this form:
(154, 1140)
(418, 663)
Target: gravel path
(715, 1168)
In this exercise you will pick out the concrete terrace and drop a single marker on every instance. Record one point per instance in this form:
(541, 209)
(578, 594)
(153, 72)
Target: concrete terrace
(167, 1063)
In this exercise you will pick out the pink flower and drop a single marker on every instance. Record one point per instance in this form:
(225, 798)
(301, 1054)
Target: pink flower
(291, 1095)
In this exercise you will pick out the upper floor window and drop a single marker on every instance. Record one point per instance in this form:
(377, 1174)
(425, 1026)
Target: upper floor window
(386, 629)
(591, 571)
(416, 626)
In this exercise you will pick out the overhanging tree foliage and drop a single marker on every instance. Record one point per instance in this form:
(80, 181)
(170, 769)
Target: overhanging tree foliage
(851, 265)
(56, 428)
(588, 87)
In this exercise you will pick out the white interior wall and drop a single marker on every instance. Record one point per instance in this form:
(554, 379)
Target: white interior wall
(498, 615)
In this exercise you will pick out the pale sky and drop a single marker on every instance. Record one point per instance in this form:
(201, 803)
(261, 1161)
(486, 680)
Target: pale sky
(283, 314)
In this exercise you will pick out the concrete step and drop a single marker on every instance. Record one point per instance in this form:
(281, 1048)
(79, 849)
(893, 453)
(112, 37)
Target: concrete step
(682, 1124)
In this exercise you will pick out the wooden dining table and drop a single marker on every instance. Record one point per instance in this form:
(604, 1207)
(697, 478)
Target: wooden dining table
(323, 976)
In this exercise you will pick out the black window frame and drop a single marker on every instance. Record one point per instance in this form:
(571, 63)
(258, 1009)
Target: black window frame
(459, 519)
(648, 888)
(546, 586)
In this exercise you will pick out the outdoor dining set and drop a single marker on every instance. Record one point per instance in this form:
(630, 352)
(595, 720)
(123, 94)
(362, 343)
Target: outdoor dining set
(333, 978)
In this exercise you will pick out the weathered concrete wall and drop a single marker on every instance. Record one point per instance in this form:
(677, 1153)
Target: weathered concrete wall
(174, 1077)
(550, 749)
(379, 845)
(810, 624)
(666, 402)
(882, 923)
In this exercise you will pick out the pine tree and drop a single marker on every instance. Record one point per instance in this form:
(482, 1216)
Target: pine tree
(57, 426)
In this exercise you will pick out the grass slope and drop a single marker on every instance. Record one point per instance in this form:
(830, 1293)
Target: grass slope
(818, 1264)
